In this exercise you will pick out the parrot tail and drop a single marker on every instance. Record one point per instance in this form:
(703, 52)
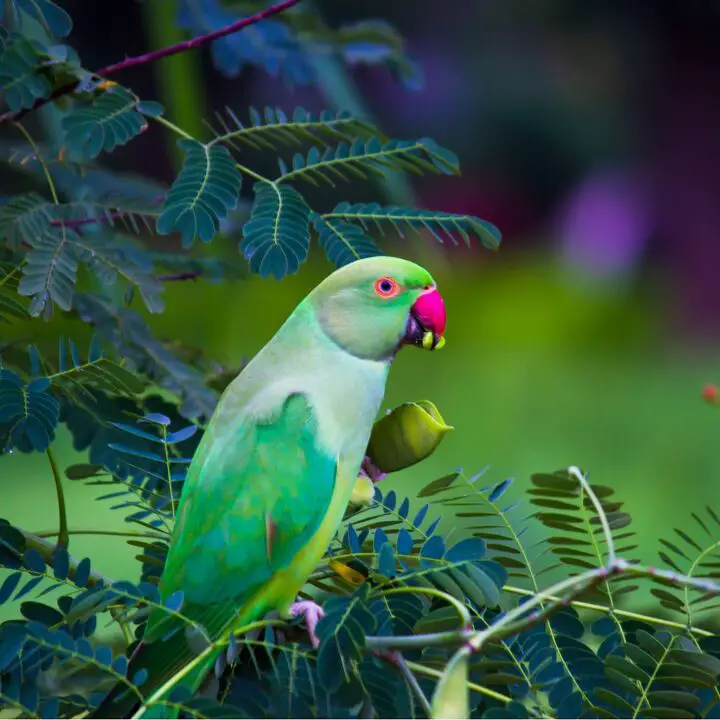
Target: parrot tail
(161, 660)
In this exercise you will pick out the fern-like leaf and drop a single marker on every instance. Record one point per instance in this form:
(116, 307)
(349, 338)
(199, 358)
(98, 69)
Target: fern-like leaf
(273, 128)
(342, 633)
(129, 334)
(71, 374)
(373, 157)
(29, 414)
(206, 189)
(50, 271)
(277, 236)
(696, 555)
(10, 308)
(657, 675)
(25, 219)
(442, 225)
(112, 257)
(578, 541)
(112, 120)
(342, 242)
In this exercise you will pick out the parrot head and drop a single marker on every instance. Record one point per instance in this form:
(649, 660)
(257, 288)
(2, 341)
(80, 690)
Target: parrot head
(372, 307)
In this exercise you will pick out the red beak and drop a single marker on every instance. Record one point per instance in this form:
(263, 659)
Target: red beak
(426, 315)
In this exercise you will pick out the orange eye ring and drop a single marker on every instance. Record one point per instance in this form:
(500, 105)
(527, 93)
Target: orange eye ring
(386, 287)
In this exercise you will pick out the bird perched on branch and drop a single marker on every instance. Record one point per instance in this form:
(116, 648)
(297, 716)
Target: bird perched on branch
(273, 474)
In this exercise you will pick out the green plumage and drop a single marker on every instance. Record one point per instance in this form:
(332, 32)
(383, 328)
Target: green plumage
(274, 472)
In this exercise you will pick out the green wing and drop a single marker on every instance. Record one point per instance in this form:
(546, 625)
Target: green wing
(255, 494)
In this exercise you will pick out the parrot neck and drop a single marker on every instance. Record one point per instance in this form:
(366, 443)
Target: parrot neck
(345, 391)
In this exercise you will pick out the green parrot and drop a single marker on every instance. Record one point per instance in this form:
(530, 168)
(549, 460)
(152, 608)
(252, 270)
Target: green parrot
(274, 472)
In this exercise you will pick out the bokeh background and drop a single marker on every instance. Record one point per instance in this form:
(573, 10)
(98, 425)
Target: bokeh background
(589, 133)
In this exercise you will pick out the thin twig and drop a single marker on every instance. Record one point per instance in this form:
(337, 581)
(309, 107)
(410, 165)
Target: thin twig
(117, 533)
(399, 661)
(180, 47)
(41, 160)
(587, 489)
(63, 535)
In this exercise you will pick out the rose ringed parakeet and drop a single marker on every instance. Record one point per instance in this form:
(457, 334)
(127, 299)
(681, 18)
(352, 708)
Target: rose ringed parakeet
(272, 476)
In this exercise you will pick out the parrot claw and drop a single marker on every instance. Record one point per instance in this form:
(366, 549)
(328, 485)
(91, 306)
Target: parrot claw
(312, 612)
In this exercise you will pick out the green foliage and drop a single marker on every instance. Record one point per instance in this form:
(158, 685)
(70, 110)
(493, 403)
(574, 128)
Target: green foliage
(50, 15)
(276, 239)
(112, 119)
(406, 596)
(204, 192)
(20, 79)
(274, 128)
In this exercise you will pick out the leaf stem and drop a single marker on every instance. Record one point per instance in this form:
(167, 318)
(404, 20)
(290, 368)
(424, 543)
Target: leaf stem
(41, 160)
(63, 534)
(623, 613)
(431, 672)
(182, 133)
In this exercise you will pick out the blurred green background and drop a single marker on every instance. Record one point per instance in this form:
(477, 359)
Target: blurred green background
(587, 132)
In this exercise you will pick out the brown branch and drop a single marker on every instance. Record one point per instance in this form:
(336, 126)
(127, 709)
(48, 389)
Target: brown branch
(130, 62)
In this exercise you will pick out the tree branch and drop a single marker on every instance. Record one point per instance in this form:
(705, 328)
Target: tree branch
(130, 62)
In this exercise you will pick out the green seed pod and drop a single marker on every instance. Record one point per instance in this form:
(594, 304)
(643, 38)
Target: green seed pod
(407, 435)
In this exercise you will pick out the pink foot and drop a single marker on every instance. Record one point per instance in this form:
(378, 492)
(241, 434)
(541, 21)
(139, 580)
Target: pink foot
(312, 612)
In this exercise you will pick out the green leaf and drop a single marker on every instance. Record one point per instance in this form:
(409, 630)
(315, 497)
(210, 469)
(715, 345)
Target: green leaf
(29, 412)
(443, 225)
(438, 485)
(50, 271)
(274, 128)
(277, 236)
(25, 219)
(110, 258)
(342, 632)
(110, 121)
(371, 157)
(52, 17)
(10, 308)
(20, 80)
(206, 189)
(72, 375)
(343, 243)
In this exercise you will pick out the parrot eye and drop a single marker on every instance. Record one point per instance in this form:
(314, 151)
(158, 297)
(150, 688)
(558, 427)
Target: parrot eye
(386, 287)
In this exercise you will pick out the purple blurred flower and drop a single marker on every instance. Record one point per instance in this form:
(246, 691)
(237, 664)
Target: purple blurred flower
(605, 222)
